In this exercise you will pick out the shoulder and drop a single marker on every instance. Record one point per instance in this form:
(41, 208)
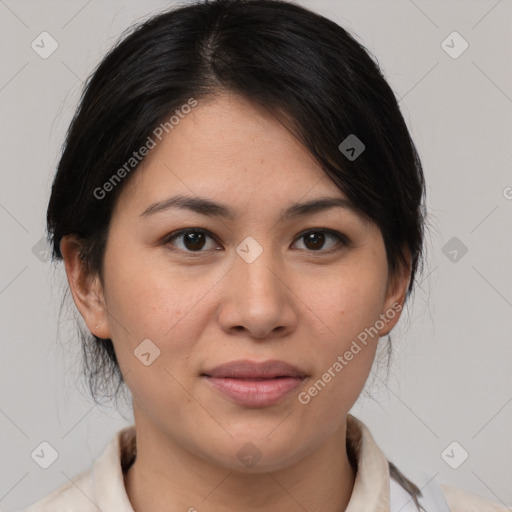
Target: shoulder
(71, 496)
(441, 498)
(101, 486)
(464, 501)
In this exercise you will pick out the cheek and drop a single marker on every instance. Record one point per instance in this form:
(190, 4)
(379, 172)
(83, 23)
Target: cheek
(149, 298)
(345, 309)
(148, 294)
(346, 302)
(149, 301)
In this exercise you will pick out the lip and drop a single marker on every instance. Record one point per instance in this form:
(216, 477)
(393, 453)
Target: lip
(246, 369)
(255, 384)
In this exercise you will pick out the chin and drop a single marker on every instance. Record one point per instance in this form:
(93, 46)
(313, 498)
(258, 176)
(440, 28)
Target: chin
(256, 454)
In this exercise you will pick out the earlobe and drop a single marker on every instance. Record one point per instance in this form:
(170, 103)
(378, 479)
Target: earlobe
(86, 289)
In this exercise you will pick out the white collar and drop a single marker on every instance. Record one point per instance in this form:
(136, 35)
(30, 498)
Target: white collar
(373, 490)
(102, 486)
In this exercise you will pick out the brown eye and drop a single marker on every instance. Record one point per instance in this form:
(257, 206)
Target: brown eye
(192, 240)
(314, 240)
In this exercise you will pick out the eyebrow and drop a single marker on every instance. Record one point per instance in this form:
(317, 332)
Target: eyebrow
(210, 208)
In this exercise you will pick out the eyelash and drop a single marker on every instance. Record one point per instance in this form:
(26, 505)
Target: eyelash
(342, 239)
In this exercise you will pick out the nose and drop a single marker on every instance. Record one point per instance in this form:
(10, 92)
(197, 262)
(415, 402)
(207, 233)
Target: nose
(258, 298)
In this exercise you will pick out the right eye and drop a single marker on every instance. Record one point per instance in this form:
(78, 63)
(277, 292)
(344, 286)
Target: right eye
(193, 240)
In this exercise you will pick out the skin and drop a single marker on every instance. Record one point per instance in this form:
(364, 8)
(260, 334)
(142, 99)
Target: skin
(293, 303)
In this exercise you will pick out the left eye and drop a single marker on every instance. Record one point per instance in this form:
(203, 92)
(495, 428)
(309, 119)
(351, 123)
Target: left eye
(316, 239)
(193, 240)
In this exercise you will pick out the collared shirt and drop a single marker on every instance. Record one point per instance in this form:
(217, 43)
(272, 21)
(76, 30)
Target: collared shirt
(101, 487)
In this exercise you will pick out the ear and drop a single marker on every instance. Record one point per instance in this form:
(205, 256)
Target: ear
(86, 289)
(395, 295)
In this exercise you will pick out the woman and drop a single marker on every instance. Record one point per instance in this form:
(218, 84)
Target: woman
(240, 211)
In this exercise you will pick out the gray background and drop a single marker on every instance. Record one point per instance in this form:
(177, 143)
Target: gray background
(451, 377)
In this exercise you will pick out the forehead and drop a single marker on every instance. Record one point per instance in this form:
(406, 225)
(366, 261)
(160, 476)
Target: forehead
(232, 151)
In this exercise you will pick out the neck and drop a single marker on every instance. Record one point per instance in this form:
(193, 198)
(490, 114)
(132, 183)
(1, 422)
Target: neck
(165, 476)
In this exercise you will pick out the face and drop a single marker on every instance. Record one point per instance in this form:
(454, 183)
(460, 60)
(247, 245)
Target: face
(205, 289)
